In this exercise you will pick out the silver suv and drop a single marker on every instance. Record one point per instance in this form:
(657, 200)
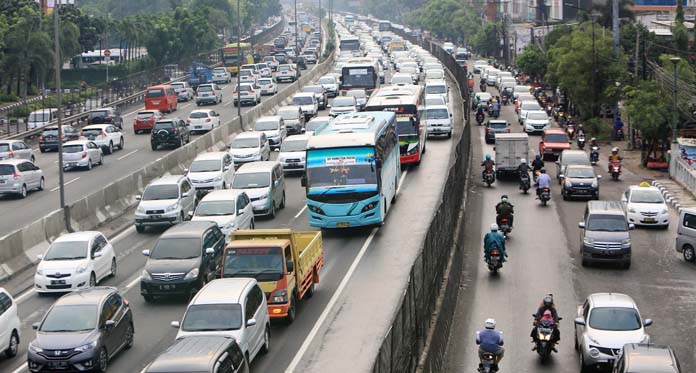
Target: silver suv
(17, 176)
(166, 201)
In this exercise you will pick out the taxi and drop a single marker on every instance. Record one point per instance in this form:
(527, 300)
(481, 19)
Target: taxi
(645, 205)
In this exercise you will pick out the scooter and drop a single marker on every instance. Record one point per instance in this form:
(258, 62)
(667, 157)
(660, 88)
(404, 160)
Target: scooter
(482, 87)
(489, 177)
(505, 227)
(594, 155)
(488, 363)
(615, 169)
(495, 262)
(545, 330)
(524, 182)
(570, 131)
(619, 134)
(581, 142)
(545, 196)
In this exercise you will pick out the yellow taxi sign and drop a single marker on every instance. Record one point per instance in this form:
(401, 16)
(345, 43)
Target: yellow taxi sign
(645, 184)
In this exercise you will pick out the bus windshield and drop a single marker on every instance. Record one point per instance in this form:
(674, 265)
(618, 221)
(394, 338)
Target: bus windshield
(329, 168)
(359, 77)
(350, 44)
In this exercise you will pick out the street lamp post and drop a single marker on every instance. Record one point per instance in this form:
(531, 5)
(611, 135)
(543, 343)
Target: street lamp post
(59, 105)
(239, 64)
(675, 117)
(297, 43)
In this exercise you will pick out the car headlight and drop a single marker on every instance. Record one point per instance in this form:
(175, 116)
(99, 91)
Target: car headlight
(35, 349)
(39, 272)
(145, 275)
(229, 226)
(568, 184)
(86, 347)
(631, 210)
(316, 210)
(264, 196)
(81, 269)
(218, 178)
(594, 352)
(595, 184)
(626, 242)
(140, 209)
(664, 211)
(588, 241)
(645, 339)
(173, 207)
(280, 296)
(192, 274)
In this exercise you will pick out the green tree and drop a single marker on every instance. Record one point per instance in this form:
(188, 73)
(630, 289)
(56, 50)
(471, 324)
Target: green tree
(486, 40)
(533, 61)
(649, 112)
(680, 36)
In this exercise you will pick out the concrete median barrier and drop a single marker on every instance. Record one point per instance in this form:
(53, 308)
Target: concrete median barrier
(19, 248)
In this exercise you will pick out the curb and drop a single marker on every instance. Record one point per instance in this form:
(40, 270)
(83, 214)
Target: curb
(672, 200)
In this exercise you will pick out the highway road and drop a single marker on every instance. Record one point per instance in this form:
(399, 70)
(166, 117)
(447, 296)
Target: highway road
(79, 183)
(341, 249)
(544, 258)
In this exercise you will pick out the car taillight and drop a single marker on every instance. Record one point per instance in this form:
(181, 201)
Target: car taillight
(41, 138)
(208, 120)
(188, 120)
(107, 118)
(175, 131)
(10, 154)
(62, 136)
(508, 130)
(213, 93)
(84, 154)
(102, 133)
(488, 130)
(252, 91)
(16, 176)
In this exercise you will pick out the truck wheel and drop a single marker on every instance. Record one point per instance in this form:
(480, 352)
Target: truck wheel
(310, 291)
(292, 311)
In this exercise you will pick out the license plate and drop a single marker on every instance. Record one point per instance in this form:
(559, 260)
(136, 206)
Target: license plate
(343, 224)
(198, 127)
(57, 282)
(166, 287)
(155, 102)
(72, 164)
(649, 220)
(58, 364)
(155, 216)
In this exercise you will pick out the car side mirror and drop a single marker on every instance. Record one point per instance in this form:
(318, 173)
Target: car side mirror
(631, 227)
(186, 170)
(185, 194)
(557, 162)
(240, 212)
(226, 168)
(146, 252)
(290, 266)
(647, 322)
(624, 199)
(599, 176)
(561, 176)
(581, 225)
(138, 197)
(251, 322)
(189, 215)
(97, 254)
(579, 321)
(109, 324)
(328, 106)
(450, 115)
(175, 324)
(209, 251)
(39, 257)
(35, 325)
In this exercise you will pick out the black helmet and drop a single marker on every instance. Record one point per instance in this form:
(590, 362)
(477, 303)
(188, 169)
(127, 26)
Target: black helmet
(538, 157)
(543, 170)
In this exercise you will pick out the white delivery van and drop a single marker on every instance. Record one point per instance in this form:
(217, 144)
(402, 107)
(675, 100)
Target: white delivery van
(510, 148)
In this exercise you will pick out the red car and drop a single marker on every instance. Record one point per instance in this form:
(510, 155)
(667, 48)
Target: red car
(553, 142)
(145, 120)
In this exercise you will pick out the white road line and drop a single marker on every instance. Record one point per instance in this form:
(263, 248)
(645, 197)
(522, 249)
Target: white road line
(184, 106)
(134, 111)
(131, 284)
(66, 183)
(24, 295)
(325, 313)
(21, 368)
(301, 211)
(127, 155)
(401, 180)
(120, 236)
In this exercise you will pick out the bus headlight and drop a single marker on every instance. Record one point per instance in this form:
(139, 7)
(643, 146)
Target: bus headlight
(369, 206)
(316, 210)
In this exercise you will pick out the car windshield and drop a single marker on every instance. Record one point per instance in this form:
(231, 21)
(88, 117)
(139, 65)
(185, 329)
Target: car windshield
(529, 106)
(151, 93)
(556, 137)
(343, 102)
(251, 180)
(177, 86)
(67, 250)
(327, 81)
(283, 68)
(206, 165)
(164, 125)
(146, 115)
(266, 126)
(262, 263)
(434, 101)
(537, 116)
(302, 100)
(646, 196)
(212, 317)
(615, 319)
(205, 88)
(265, 81)
(98, 113)
(245, 143)
(435, 114)
(158, 192)
(216, 208)
(70, 318)
(6, 169)
(176, 248)
(607, 223)
(198, 115)
(580, 173)
(293, 146)
(71, 148)
(431, 89)
(574, 159)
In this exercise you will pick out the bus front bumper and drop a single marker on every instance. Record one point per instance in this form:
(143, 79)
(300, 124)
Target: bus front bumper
(370, 217)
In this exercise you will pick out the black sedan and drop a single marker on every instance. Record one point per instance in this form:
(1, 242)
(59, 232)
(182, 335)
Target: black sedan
(580, 181)
(495, 126)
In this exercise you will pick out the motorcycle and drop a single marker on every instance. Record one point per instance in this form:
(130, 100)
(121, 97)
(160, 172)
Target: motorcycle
(619, 134)
(524, 182)
(489, 177)
(479, 118)
(594, 155)
(581, 141)
(505, 100)
(495, 262)
(488, 363)
(545, 330)
(570, 131)
(545, 196)
(482, 87)
(505, 227)
(615, 169)
(495, 113)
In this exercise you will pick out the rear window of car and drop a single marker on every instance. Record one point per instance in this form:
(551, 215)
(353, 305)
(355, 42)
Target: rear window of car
(98, 113)
(91, 131)
(204, 88)
(6, 169)
(154, 93)
(164, 125)
(498, 125)
(72, 148)
(265, 81)
(46, 132)
(4, 147)
(197, 115)
(556, 137)
(145, 115)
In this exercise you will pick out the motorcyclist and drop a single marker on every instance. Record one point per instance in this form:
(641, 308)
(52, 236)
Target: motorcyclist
(494, 239)
(487, 164)
(504, 209)
(495, 108)
(614, 157)
(547, 305)
(593, 142)
(490, 340)
(537, 164)
(542, 181)
(523, 169)
(580, 131)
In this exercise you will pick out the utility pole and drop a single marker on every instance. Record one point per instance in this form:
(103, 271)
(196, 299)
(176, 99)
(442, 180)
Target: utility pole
(615, 25)
(59, 105)
(239, 64)
(675, 115)
(594, 67)
(635, 59)
(506, 45)
(320, 34)
(297, 43)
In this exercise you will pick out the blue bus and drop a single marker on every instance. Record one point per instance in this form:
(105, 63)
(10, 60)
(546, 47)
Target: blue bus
(353, 170)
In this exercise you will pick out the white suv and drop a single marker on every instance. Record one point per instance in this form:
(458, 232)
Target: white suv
(107, 136)
(248, 93)
(9, 324)
(229, 209)
(210, 171)
(221, 75)
(166, 201)
(75, 261)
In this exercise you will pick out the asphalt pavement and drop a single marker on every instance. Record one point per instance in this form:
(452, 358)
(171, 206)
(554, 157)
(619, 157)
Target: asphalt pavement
(80, 183)
(544, 258)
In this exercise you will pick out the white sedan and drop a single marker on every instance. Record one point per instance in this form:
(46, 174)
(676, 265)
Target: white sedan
(645, 205)
(203, 120)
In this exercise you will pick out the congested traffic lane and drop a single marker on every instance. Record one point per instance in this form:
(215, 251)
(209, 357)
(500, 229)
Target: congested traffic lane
(80, 183)
(544, 258)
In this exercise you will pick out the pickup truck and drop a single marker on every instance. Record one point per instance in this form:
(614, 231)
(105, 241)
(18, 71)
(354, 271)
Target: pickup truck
(552, 143)
(285, 263)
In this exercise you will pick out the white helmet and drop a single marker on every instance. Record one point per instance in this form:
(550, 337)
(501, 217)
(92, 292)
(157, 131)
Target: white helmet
(489, 324)
(494, 227)
(523, 161)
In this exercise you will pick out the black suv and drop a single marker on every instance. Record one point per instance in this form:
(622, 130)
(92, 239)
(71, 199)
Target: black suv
(105, 115)
(300, 61)
(184, 259)
(48, 140)
(82, 331)
(170, 132)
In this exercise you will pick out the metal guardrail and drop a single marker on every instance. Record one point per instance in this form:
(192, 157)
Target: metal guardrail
(81, 117)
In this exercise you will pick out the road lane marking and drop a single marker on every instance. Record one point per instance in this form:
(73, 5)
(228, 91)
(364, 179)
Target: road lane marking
(127, 155)
(24, 295)
(21, 368)
(401, 180)
(65, 184)
(325, 313)
(134, 111)
(301, 211)
(131, 284)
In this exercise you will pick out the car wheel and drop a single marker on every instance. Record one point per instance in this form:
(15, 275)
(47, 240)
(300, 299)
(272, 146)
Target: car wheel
(101, 159)
(627, 265)
(273, 210)
(110, 150)
(129, 336)
(23, 192)
(564, 194)
(583, 367)
(689, 254)
(42, 150)
(42, 184)
(140, 228)
(252, 225)
(310, 291)
(182, 217)
(121, 143)
(89, 164)
(575, 340)
(33, 159)
(102, 361)
(153, 146)
(13, 346)
(266, 340)
(149, 298)
(92, 280)
(585, 262)
(114, 267)
(181, 142)
(282, 201)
